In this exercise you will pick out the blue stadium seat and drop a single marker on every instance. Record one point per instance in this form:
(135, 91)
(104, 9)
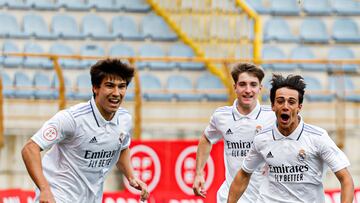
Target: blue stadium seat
(23, 86)
(42, 86)
(9, 27)
(69, 93)
(17, 4)
(316, 92)
(345, 30)
(133, 5)
(121, 50)
(318, 7)
(130, 95)
(103, 5)
(43, 4)
(152, 50)
(181, 88)
(90, 50)
(95, 27)
(34, 25)
(181, 50)
(344, 88)
(258, 6)
(275, 53)
(340, 53)
(11, 61)
(277, 29)
(152, 89)
(36, 62)
(211, 88)
(346, 7)
(8, 88)
(83, 87)
(284, 7)
(74, 5)
(155, 27)
(64, 26)
(125, 28)
(62, 49)
(302, 52)
(313, 30)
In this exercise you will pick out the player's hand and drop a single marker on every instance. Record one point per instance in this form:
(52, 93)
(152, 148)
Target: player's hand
(138, 184)
(46, 196)
(198, 186)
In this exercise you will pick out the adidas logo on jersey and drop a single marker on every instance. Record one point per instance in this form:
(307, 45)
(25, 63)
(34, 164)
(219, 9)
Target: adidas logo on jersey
(269, 155)
(229, 132)
(93, 140)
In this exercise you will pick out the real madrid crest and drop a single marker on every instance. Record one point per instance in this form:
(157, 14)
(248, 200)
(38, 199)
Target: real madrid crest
(301, 156)
(258, 129)
(121, 137)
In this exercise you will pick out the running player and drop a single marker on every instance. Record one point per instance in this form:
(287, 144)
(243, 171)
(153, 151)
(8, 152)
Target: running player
(236, 125)
(86, 141)
(297, 154)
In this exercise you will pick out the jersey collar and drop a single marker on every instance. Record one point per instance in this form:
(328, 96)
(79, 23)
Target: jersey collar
(252, 115)
(100, 120)
(293, 136)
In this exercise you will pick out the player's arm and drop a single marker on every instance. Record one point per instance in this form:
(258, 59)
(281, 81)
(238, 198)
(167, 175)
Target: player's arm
(202, 154)
(238, 186)
(347, 185)
(124, 165)
(32, 159)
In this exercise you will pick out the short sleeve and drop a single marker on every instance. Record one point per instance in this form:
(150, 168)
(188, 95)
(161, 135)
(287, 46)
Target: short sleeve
(331, 154)
(55, 130)
(211, 131)
(252, 160)
(126, 142)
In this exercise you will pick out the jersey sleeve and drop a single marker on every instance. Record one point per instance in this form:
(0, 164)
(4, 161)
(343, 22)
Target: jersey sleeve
(331, 154)
(55, 130)
(211, 131)
(126, 142)
(252, 160)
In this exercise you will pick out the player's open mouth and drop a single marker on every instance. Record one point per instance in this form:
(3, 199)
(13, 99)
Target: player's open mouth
(114, 101)
(284, 117)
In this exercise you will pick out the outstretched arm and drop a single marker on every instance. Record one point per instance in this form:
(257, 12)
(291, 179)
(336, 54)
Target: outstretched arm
(347, 185)
(238, 186)
(203, 152)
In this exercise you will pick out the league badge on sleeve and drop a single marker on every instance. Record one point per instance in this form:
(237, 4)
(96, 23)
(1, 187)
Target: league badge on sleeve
(258, 129)
(50, 133)
(301, 156)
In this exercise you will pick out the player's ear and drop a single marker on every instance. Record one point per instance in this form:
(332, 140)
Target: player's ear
(300, 106)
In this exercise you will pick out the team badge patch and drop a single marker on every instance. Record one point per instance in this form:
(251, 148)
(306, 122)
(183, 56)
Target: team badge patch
(50, 133)
(121, 137)
(301, 156)
(258, 129)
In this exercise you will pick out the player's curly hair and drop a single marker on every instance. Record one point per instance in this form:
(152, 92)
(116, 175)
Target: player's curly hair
(295, 82)
(249, 68)
(110, 67)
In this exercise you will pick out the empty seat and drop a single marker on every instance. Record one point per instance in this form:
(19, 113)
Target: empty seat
(181, 50)
(83, 87)
(95, 27)
(152, 89)
(284, 7)
(315, 91)
(35, 25)
(181, 88)
(151, 50)
(62, 49)
(90, 50)
(121, 50)
(43, 4)
(156, 28)
(133, 5)
(341, 53)
(36, 62)
(103, 5)
(69, 93)
(211, 88)
(346, 7)
(318, 7)
(258, 5)
(126, 28)
(313, 30)
(344, 88)
(17, 4)
(306, 53)
(76, 5)
(275, 53)
(345, 31)
(11, 61)
(65, 26)
(9, 27)
(277, 29)
(42, 86)
(8, 88)
(23, 86)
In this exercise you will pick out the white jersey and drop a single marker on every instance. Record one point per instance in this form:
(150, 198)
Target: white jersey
(238, 132)
(296, 163)
(84, 148)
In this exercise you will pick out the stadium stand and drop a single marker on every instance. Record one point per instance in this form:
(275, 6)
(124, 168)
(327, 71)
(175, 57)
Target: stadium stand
(284, 7)
(64, 26)
(181, 88)
(11, 61)
(152, 88)
(318, 7)
(316, 92)
(83, 87)
(313, 30)
(95, 27)
(278, 30)
(63, 49)
(8, 88)
(35, 62)
(42, 86)
(23, 86)
(302, 52)
(345, 30)
(34, 25)
(211, 88)
(125, 28)
(341, 53)
(346, 7)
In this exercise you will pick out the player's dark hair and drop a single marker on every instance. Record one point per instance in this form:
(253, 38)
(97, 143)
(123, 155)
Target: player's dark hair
(112, 68)
(295, 82)
(249, 68)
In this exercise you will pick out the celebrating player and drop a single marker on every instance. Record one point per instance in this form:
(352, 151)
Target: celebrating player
(297, 154)
(86, 141)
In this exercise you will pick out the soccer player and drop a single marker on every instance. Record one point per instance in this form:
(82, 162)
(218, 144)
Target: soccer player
(86, 141)
(236, 125)
(297, 154)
